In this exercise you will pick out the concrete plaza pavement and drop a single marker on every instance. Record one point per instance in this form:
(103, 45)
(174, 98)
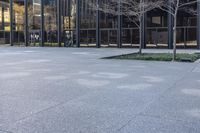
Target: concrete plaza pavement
(72, 90)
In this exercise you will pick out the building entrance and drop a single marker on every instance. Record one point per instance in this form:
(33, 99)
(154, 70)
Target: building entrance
(69, 38)
(34, 38)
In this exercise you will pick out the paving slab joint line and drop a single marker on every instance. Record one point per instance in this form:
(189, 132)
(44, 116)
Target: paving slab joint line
(152, 116)
(154, 99)
(196, 65)
(176, 82)
(140, 113)
(119, 129)
(54, 106)
(159, 117)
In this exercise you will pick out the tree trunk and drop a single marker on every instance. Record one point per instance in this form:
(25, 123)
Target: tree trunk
(174, 40)
(140, 26)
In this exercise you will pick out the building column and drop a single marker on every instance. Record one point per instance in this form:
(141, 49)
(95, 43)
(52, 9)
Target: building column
(198, 24)
(170, 30)
(2, 17)
(98, 44)
(59, 29)
(42, 23)
(119, 29)
(26, 23)
(11, 22)
(143, 28)
(78, 23)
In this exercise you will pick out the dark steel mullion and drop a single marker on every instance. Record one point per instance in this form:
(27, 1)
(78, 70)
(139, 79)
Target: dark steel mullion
(78, 23)
(119, 31)
(69, 13)
(87, 38)
(143, 27)
(11, 22)
(4, 34)
(170, 30)
(185, 38)
(59, 22)
(198, 24)
(157, 37)
(131, 30)
(26, 23)
(2, 15)
(100, 41)
(42, 23)
(109, 38)
(98, 44)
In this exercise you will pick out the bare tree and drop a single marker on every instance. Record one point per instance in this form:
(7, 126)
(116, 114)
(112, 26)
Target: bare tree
(134, 10)
(172, 7)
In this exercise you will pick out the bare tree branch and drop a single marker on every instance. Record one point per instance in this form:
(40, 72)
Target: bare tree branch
(172, 7)
(134, 10)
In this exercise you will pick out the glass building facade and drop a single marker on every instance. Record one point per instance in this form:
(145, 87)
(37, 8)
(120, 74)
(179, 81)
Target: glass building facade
(72, 23)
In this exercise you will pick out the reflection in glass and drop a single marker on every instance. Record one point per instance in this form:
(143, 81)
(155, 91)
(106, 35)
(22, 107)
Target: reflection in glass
(88, 24)
(69, 22)
(18, 22)
(156, 25)
(34, 22)
(50, 22)
(4, 22)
